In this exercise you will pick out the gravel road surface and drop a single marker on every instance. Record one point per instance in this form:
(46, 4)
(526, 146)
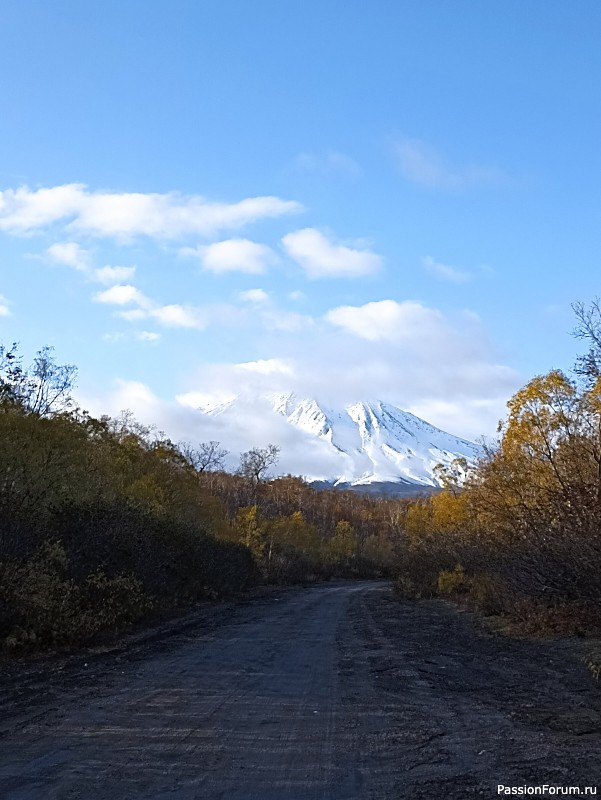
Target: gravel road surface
(336, 692)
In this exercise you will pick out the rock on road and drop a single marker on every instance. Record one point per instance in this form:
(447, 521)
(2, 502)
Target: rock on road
(334, 692)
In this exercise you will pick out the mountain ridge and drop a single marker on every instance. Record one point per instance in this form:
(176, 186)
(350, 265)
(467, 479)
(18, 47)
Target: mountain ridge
(371, 442)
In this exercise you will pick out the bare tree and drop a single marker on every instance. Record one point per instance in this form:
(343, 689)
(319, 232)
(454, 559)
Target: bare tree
(12, 374)
(588, 366)
(205, 457)
(43, 388)
(588, 328)
(255, 463)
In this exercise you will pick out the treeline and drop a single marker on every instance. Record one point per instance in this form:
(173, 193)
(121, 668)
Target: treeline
(297, 533)
(105, 521)
(522, 537)
(101, 522)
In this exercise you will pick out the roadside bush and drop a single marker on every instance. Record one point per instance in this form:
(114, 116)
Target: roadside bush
(452, 581)
(110, 603)
(174, 560)
(489, 596)
(422, 559)
(112, 566)
(42, 605)
(525, 526)
(39, 603)
(289, 566)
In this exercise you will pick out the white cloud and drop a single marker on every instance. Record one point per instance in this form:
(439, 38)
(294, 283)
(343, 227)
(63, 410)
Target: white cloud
(474, 418)
(288, 321)
(320, 258)
(386, 320)
(69, 253)
(420, 163)
(181, 421)
(272, 318)
(178, 316)
(110, 275)
(114, 338)
(73, 255)
(132, 314)
(23, 210)
(135, 396)
(141, 336)
(215, 384)
(205, 401)
(4, 307)
(233, 255)
(255, 296)
(441, 368)
(122, 295)
(327, 163)
(125, 215)
(445, 271)
(267, 366)
(172, 315)
(297, 296)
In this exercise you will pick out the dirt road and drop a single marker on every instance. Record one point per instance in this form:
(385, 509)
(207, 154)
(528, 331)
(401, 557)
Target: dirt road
(334, 692)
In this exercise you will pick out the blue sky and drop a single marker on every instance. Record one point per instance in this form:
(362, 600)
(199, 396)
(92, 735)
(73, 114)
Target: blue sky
(393, 199)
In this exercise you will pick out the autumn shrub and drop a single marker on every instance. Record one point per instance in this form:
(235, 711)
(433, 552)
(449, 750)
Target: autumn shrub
(175, 561)
(39, 603)
(42, 605)
(424, 556)
(21, 533)
(488, 595)
(452, 581)
(592, 660)
(112, 565)
(525, 526)
(289, 566)
(418, 571)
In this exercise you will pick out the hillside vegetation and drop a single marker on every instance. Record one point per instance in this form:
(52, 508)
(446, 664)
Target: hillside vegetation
(522, 536)
(106, 521)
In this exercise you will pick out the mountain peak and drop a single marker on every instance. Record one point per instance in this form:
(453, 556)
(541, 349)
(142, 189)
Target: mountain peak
(362, 443)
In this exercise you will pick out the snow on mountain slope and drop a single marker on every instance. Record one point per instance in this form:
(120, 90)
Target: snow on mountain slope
(362, 444)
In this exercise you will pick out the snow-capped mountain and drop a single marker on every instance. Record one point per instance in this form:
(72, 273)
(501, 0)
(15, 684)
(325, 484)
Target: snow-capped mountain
(366, 444)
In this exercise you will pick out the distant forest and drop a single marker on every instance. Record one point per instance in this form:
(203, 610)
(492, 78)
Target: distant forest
(105, 522)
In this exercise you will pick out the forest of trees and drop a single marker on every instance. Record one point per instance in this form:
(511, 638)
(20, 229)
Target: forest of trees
(522, 537)
(104, 522)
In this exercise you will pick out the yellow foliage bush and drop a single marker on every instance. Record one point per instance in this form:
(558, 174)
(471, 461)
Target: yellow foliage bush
(343, 544)
(452, 581)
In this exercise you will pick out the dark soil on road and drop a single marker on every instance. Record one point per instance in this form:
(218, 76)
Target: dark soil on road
(335, 692)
